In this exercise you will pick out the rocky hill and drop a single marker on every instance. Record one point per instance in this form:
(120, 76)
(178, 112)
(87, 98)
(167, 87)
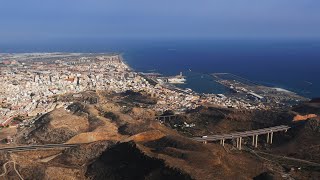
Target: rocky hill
(118, 141)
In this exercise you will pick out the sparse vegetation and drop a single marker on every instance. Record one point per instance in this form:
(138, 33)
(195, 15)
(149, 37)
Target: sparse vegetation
(111, 115)
(138, 98)
(150, 150)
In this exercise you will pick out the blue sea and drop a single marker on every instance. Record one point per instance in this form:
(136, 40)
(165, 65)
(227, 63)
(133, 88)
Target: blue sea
(290, 64)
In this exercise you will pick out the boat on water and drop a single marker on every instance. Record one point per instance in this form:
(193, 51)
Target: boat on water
(179, 79)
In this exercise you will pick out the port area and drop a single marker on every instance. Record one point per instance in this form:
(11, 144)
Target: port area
(240, 93)
(168, 82)
(159, 78)
(254, 93)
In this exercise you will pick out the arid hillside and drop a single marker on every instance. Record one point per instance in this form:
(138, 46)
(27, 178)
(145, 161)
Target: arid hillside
(119, 140)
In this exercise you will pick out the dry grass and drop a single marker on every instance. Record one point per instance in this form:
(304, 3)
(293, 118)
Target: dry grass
(146, 136)
(90, 137)
(60, 173)
(63, 119)
(10, 131)
(305, 117)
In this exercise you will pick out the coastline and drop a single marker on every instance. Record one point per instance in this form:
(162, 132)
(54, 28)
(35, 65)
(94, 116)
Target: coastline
(309, 90)
(125, 62)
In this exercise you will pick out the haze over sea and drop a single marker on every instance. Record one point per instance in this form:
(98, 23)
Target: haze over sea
(290, 64)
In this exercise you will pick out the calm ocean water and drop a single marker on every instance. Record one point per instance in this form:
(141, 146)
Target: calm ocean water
(288, 64)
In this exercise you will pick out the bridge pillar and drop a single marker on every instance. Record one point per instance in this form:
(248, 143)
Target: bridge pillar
(240, 140)
(237, 142)
(267, 137)
(256, 141)
(222, 142)
(253, 140)
(169, 118)
(271, 137)
(204, 142)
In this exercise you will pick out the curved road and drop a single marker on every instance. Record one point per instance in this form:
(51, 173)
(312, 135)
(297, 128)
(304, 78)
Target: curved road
(14, 167)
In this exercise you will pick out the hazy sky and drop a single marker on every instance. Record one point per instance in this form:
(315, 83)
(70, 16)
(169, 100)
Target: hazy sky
(30, 20)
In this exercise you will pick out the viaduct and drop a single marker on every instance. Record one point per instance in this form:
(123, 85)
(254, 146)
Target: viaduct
(240, 135)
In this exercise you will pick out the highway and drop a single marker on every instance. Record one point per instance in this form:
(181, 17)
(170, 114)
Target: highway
(36, 147)
(242, 134)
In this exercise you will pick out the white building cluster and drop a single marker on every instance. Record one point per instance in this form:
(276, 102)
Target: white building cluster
(29, 86)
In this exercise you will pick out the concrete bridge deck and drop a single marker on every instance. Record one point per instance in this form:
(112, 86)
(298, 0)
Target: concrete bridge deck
(166, 117)
(239, 135)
